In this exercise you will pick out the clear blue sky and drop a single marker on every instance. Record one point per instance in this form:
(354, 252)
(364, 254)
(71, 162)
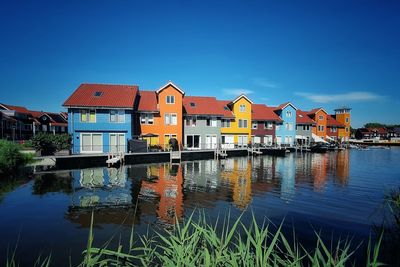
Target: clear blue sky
(322, 53)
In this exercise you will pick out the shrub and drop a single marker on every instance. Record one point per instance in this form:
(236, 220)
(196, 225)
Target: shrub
(47, 144)
(11, 157)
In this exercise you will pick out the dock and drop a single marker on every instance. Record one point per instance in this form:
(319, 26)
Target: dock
(114, 159)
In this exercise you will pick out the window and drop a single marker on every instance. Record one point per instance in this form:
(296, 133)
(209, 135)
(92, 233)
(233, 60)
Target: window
(191, 121)
(320, 128)
(333, 130)
(288, 114)
(212, 122)
(347, 120)
(170, 119)
(321, 117)
(91, 142)
(147, 118)
(268, 125)
(306, 127)
(226, 123)
(192, 141)
(170, 99)
(278, 127)
(242, 108)
(88, 115)
(192, 104)
(347, 129)
(98, 93)
(117, 116)
(242, 123)
(290, 127)
(254, 125)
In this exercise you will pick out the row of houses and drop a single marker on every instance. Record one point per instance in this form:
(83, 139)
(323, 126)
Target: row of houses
(102, 118)
(378, 133)
(18, 123)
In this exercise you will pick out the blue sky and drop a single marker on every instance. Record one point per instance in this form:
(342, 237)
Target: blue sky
(322, 53)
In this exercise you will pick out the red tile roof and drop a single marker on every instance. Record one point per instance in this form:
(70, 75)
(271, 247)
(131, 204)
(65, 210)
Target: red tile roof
(380, 130)
(315, 110)
(303, 118)
(227, 112)
(19, 109)
(332, 122)
(202, 105)
(122, 96)
(148, 101)
(261, 112)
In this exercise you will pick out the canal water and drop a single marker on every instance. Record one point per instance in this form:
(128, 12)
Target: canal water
(339, 194)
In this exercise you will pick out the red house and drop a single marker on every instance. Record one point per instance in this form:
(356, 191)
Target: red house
(263, 124)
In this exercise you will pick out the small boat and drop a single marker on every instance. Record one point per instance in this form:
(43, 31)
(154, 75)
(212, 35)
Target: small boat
(319, 148)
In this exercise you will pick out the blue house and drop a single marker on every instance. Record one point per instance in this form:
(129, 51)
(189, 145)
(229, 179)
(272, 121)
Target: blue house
(100, 117)
(285, 131)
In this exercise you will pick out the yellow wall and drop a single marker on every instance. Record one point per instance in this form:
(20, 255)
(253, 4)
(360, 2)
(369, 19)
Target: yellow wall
(234, 129)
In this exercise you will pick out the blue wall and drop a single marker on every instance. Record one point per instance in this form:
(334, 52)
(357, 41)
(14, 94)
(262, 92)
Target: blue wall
(102, 125)
(283, 132)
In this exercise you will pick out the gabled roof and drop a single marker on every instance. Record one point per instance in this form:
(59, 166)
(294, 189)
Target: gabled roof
(227, 112)
(19, 109)
(303, 118)
(148, 101)
(241, 96)
(202, 105)
(261, 112)
(332, 122)
(380, 130)
(284, 105)
(170, 84)
(315, 110)
(103, 95)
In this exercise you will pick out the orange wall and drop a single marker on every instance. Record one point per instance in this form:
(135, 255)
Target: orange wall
(341, 118)
(159, 126)
(323, 122)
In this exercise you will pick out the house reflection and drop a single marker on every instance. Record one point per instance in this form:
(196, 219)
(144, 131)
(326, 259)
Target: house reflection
(287, 170)
(342, 168)
(165, 182)
(237, 171)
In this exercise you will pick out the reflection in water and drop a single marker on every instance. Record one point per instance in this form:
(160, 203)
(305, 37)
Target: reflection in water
(164, 190)
(52, 182)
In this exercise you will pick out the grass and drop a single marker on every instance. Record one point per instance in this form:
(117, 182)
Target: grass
(201, 243)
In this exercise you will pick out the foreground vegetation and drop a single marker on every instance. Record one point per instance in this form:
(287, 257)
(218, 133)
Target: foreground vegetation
(11, 157)
(197, 242)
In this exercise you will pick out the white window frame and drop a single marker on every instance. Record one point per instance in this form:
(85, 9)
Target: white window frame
(225, 123)
(288, 114)
(242, 108)
(268, 125)
(119, 115)
(170, 99)
(118, 144)
(192, 147)
(170, 121)
(320, 128)
(244, 123)
(88, 114)
(254, 125)
(321, 117)
(91, 143)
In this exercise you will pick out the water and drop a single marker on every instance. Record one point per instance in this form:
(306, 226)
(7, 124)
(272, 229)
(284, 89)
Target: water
(340, 194)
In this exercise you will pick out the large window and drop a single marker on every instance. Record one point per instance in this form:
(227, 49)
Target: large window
(147, 118)
(91, 142)
(170, 119)
(117, 115)
(88, 115)
(212, 122)
(170, 99)
(242, 123)
(117, 142)
(242, 108)
(192, 141)
(268, 125)
(226, 123)
(191, 121)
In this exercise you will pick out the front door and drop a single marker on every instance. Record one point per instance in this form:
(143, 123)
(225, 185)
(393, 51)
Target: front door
(211, 141)
(242, 140)
(117, 142)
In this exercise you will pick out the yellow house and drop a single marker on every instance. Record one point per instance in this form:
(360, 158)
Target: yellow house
(236, 131)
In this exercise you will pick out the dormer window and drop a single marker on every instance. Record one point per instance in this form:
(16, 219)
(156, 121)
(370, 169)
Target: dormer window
(170, 99)
(98, 93)
(192, 104)
(226, 108)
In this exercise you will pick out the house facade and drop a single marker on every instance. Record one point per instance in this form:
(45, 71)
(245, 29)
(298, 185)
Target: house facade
(304, 128)
(319, 115)
(286, 129)
(160, 115)
(333, 128)
(238, 132)
(343, 116)
(202, 122)
(100, 117)
(263, 125)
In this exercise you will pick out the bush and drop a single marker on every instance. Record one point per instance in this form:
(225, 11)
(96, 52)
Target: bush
(47, 144)
(11, 157)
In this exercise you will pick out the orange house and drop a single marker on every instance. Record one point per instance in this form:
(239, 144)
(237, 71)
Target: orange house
(319, 115)
(160, 115)
(342, 115)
